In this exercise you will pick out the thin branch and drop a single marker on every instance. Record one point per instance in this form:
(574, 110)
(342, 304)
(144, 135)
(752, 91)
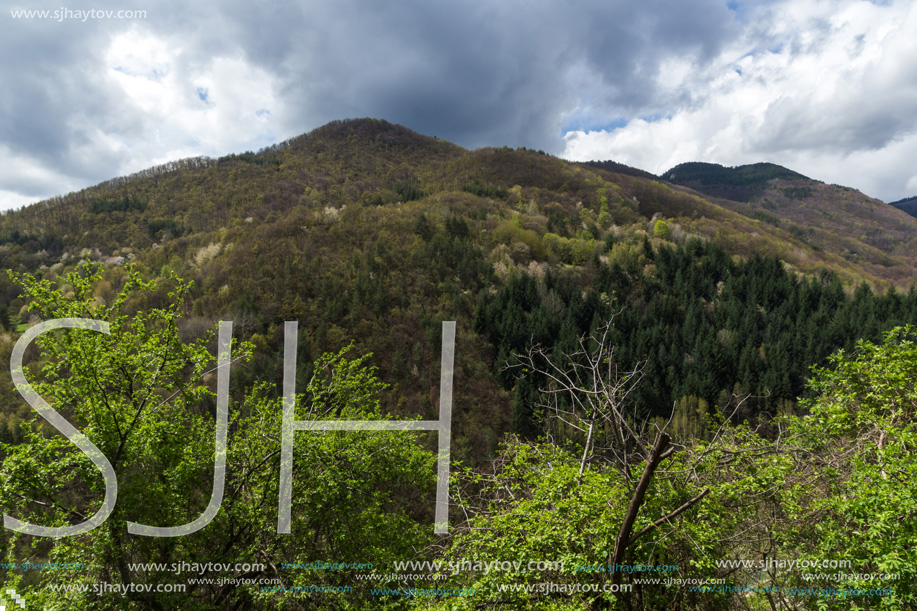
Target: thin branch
(672, 515)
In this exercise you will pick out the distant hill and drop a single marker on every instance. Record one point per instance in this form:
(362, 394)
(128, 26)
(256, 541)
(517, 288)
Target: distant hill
(829, 218)
(908, 204)
(739, 183)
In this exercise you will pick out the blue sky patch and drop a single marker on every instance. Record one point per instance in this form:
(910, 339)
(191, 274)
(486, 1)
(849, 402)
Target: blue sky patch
(593, 125)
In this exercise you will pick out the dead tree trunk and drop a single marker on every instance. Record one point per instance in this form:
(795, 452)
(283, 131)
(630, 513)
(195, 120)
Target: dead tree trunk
(623, 539)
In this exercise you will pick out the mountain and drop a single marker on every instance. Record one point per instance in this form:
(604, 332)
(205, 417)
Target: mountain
(740, 183)
(772, 210)
(831, 219)
(369, 232)
(908, 204)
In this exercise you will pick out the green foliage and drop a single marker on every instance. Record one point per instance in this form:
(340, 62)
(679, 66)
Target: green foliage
(533, 506)
(535, 509)
(480, 190)
(745, 175)
(620, 168)
(800, 192)
(452, 252)
(164, 228)
(424, 228)
(574, 251)
(661, 230)
(863, 428)
(409, 192)
(137, 394)
(286, 233)
(870, 388)
(837, 486)
(250, 157)
(703, 323)
(18, 237)
(141, 394)
(797, 231)
(283, 236)
(523, 243)
(349, 163)
(124, 204)
(767, 218)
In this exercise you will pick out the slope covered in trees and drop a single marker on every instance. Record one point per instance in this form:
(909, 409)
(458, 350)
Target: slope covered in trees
(828, 218)
(707, 327)
(739, 183)
(366, 231)
(712, 518)
(369, 234)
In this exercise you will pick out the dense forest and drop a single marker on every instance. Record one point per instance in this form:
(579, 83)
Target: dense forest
(645, 375)
(707, 328)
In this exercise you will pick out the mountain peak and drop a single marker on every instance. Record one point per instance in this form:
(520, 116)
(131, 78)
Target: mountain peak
(367, 129)
(739, 183)
(741, 175)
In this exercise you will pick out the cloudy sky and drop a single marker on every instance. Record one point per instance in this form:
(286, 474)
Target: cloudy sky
(827, 88)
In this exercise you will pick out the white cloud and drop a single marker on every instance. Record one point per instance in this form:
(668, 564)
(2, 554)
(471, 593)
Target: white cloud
(26, 179)
(187, 107)
(828, 89)
(13, 200)
(131, 100)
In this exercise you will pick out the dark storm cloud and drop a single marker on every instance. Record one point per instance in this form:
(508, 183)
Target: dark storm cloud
(52, 98)
(474, 73)
(500, 74)
(477, 73)
(627, 42)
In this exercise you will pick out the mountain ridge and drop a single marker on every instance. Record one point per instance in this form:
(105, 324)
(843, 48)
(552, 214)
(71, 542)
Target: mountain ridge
(907, 205)
(372, 161)
(366, 231)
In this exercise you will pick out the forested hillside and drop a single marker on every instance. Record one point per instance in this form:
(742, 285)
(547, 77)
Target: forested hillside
(646, 375)
(740, 183)
(365, 231)
(828, 218)
(707, 327)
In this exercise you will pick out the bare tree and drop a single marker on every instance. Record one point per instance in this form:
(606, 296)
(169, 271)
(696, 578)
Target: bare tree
(588, 389)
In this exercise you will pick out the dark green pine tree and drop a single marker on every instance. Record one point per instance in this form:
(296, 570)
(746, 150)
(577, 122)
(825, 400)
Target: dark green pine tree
(648, 251)
(524, 416)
